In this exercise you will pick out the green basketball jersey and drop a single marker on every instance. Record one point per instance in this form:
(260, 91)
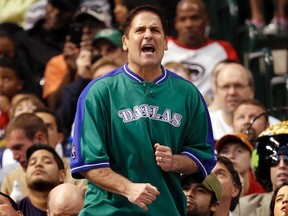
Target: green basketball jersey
(120, 117)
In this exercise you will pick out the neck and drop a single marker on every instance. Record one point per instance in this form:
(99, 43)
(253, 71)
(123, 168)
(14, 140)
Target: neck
(147, 73)
(246, 179)
(223, 208)
(38, 199)
(192, 43)
(227, 116)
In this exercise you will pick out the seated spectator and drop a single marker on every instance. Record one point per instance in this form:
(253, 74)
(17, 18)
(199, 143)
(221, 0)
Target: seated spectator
(11, 36)
(65, 199)
(108, 43)
(22, 132)
(8, 206)
(12, 80)
(27, 104)
(193, 48)
(250, 117)
(239, 150)
(55, 132)
(45, 170)
(279, 200)
(271, 168)
(233, 84)
(230, 183)
(202, 196)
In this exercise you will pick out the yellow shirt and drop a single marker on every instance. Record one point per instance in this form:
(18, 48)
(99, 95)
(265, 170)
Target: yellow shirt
(14, 10)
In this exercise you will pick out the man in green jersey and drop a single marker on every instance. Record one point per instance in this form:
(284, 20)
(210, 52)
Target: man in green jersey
(138, 127)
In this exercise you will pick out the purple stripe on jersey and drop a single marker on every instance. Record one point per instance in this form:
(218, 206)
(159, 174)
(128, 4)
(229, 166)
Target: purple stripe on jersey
(90, 166)
(197, 161)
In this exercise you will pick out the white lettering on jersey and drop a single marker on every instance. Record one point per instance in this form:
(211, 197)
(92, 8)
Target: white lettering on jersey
(151, 112)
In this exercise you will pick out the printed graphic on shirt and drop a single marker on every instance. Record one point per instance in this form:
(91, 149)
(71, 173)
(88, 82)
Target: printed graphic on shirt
(197, 71)
(151, 112)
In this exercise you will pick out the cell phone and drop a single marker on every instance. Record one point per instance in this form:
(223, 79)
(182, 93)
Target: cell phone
(76, 33)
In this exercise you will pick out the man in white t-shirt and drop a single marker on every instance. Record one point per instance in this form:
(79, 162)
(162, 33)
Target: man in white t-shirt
(193, 48)
(233, 84)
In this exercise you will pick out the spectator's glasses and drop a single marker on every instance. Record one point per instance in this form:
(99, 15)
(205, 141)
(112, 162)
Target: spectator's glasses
(275, 160)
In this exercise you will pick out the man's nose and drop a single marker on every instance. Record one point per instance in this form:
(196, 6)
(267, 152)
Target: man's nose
(148, 33)
(16, 156)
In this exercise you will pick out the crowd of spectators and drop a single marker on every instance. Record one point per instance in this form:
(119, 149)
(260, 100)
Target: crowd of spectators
(50, 50)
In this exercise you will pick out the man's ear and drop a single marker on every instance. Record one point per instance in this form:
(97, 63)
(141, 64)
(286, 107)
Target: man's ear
(166, 43)
(214, 206)
(40, 137)
(62, 175)
(124, 43)
(235, 191)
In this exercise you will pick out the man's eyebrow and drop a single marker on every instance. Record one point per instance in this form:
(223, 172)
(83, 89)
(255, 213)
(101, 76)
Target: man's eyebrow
(42, 157)
(16, 146)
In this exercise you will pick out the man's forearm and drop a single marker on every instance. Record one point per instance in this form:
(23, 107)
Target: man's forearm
(183, 164)
(141, 194)
(107, 179)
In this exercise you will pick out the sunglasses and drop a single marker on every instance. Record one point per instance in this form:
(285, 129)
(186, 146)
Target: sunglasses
(275, 160)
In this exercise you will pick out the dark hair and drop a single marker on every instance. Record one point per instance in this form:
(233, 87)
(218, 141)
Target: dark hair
(13, 203)
(8, 29)
(54, 114)
(14, 64)
(149, 8)
(272, 203)
(235, 178)
(48, 148)
(253, 102)
(29, 123)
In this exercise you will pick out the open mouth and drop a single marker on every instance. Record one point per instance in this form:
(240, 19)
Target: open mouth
(148, 48)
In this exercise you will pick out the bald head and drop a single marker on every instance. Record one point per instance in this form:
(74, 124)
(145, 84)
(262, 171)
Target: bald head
(65, 199)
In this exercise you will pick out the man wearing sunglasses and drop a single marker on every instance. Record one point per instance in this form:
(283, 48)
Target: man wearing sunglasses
(270, 161)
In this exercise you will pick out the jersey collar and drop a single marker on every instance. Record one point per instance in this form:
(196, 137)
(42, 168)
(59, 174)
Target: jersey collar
(137, 78)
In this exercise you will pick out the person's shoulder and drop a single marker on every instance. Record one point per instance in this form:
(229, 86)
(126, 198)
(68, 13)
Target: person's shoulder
(225, 44)
(255, 204)
(216, 112)
(254, 199)
(16, 172)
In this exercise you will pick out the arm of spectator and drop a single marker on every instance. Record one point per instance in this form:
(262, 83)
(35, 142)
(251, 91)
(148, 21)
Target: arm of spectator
(83, 61)
(70, 55)
(141, 194)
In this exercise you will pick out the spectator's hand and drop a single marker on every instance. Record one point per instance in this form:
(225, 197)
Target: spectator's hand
(83, 61)
(163, 156)
(84, 64)
(70, 53)
(142, 194)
